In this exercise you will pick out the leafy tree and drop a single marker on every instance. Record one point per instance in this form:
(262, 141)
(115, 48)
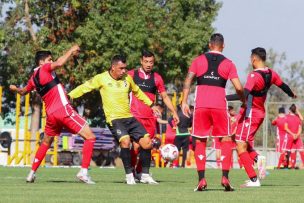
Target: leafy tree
(176, 31)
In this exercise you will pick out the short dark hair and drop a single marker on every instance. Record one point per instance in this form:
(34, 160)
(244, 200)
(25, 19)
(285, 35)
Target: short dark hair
(259, 52)
(117, 58)
(146, 53)
(41, 55)
(282, 110)
(293, 108)
(217, 39)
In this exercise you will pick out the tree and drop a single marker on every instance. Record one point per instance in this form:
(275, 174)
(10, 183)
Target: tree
(176, 31)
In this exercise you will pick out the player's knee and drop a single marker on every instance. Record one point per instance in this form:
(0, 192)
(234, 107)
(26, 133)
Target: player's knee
(145, 143)
(48, 140)
(125, 142)
(241, 147)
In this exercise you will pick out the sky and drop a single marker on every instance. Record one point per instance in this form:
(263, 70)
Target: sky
(246, 24)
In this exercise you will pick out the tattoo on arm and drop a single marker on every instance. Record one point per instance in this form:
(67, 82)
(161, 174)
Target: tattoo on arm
(188, 81)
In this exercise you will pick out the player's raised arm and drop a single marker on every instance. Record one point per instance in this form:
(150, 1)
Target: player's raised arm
(22, 91)
(88, 86)
(74, 50)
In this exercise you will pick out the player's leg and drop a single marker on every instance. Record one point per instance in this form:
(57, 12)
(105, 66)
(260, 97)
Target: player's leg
(134, 154)
(185, 147)
(140, 135)
(39, 156)
(242, 135)
(178, 141)
(221, 130)
(74, 123)
(202, 123)
(150, 125)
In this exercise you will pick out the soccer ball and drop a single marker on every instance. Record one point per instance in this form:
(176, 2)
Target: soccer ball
(169, 152)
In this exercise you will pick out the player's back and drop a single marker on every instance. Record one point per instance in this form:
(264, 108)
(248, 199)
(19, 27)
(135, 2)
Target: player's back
(293, 122)
(213, 69)
(279, 122)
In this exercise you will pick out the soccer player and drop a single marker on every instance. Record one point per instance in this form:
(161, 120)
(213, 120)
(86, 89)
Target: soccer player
(150, 83)
(293, 127)
(212, 70)
(60, 113)
(114, 86)
(256, 88)
(182, 138)
(280, 121)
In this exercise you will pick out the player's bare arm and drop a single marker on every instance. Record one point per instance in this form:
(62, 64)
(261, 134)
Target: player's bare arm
(238, 88)
(186, 90)
(21, 91)
(170, 106)
(74, 50)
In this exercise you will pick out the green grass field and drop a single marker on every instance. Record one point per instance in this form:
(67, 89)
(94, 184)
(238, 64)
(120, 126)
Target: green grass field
(176, 185)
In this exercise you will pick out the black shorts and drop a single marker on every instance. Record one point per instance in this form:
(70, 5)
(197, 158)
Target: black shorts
(182, 142)
(128, 127)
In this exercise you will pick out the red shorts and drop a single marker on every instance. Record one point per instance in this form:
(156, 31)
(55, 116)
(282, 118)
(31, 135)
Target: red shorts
(208, 121)
(297, 144)
(246, 129)
(287, 143)
(65, 117)
(216, 144)
(149, 124)
(280, 142)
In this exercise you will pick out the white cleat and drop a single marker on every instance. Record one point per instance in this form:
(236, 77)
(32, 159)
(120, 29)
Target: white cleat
(31, 177)
(146, 178)
(250, 183)
(130, 179)
(84, 177)
(261, 166)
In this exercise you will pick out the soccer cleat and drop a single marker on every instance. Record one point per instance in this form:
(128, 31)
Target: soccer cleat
(202, 185)
(31, 177)
(261, 166)
(84, 177)
(147, 178)
(137, 176)
(250, 183)
(130, 179)
(226, 184)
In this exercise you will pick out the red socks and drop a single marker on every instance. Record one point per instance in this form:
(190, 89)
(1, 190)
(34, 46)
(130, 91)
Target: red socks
(40, 154)
(87, 151)
(293, 157)
(281, 160)
(200, 155)
(302, 156)
(226, 154)
(248, 164)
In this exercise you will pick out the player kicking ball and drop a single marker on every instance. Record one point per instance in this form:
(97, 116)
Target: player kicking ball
(60, 114)
(252, 116)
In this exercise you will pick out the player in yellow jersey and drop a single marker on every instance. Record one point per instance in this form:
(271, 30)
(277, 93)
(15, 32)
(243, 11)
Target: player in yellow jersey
(114, 86)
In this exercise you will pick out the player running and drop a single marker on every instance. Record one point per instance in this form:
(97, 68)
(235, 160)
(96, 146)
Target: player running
(279, 122)
(212, 70)
(151, 83)
(114, 86)
(256, 88)
(60, 113)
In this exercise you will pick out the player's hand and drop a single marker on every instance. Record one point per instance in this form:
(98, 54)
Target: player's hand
(75, 50)
(175, 118)
(186, 109)
(13, 88)
(155, 110)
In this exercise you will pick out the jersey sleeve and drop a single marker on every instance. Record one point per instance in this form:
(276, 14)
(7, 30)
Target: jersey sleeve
(159, 83)
(250, 81)
(276, 79)
(131, 73)
(30, 84)
(194, 65)
(232, 71)
(274, 122)
(137, 92)
(88, 86)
